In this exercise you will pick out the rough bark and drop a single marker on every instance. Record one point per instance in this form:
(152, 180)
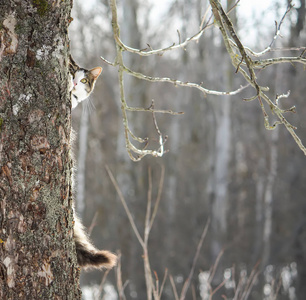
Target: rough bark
(37, 252)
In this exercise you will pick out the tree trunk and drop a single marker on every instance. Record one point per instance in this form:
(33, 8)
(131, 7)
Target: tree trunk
(37, 252)
(268, 199)
(222, 158)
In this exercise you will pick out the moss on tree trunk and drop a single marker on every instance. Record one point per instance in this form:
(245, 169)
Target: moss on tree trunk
(37, 252)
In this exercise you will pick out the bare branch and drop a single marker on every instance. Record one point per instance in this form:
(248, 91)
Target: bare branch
(214, 268)
(226, 28)
(240, 59)
(218, 288)
(120, 286)
(163, 283)
(145, 52)
(251, 280)
(134, 152)
(103, 281)
(195, 259)
(131, 149)
(185, 84)
(93, 223)
(193, 38)
(149, 219)
(272, 61)
(173, 288)
(276, 35)
(127, 210)
(158, 198)
(150, 109)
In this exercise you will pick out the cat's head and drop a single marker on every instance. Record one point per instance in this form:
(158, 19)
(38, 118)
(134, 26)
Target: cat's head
(83, 82)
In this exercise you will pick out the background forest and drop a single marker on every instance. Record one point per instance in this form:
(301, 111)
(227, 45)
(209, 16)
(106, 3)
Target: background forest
(222, 164)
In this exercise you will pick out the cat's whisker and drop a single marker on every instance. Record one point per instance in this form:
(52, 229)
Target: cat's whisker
(89, 106)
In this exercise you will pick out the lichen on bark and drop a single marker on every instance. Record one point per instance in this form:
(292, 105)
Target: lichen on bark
(37, 252)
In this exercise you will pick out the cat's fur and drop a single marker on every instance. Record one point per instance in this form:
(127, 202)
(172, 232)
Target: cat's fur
(88, 256)
(81, 85)
(82, 82)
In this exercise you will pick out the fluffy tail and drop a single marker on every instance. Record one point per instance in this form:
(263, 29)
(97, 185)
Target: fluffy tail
(88, 256)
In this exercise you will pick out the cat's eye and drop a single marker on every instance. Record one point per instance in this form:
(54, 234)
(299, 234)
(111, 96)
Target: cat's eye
(84, 80)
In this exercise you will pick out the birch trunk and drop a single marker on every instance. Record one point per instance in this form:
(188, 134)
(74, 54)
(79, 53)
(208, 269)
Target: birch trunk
(37, 252)
(268, 199)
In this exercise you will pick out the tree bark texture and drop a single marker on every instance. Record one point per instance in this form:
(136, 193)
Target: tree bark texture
(37, 252)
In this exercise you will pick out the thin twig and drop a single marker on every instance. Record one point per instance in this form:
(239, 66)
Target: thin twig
(163, 283)
(158, 198)
(149, 203)
(173, 288)
(174, 46)
(193, 292)
(225, 25)
(276, 35)
(250, 282)
(217, 288)
(195, 259)
(127, 210)
(149, 219)
(93, 223)
(214, 268)
(120, 286)
(134, 152)
(103, 281)
(272, 61)
(142, 109)
(184, 84)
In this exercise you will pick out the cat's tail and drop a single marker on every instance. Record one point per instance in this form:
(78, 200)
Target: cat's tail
(88, 256)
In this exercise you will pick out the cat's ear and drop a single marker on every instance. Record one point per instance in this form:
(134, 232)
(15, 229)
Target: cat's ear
(95, 72)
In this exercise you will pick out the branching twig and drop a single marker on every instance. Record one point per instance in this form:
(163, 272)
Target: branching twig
(134, 152)
(146, 52)
(276, 35)
(184, 84)
(227, 31)
(143, 241)
(240, 58)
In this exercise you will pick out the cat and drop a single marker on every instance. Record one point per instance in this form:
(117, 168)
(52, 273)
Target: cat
(82, 83)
